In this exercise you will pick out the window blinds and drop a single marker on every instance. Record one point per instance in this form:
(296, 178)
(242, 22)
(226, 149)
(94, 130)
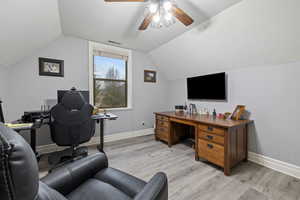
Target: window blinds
(110, 55)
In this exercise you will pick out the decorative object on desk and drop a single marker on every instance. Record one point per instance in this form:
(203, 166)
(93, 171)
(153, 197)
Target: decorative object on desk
(192, 108)
(95, 110)
(221, 116)
(238, 112)
(214, 114)
(206, 110)
(227, 115)
(150, 76)
(45, 108)
(179, 108)
(51, 67)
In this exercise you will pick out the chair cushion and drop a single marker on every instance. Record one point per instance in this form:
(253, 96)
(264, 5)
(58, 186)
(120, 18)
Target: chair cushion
(94, 189)
(47, 193)
(19, 178)
(124, 182)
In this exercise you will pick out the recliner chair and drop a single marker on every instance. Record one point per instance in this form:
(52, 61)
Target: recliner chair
(1, 113)
(71, 125)
(88, 178)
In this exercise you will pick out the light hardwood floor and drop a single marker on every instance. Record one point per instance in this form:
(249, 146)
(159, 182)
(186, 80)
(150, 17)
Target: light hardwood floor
(191, 180)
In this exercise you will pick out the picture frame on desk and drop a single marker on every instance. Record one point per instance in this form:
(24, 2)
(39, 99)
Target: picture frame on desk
(51, 67)
(238, 112)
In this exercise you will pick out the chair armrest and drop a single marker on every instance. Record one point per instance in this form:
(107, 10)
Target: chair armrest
(156, 188)
(68, 177)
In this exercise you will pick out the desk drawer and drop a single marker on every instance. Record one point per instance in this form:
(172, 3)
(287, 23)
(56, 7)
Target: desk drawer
(162, 123)
(162, 134)
(163, 129)
(161, 117)
(211, 152)
(211, 137)
(211, 129)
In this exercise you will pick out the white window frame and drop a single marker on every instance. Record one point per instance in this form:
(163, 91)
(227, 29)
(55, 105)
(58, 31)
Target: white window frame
(115, 50)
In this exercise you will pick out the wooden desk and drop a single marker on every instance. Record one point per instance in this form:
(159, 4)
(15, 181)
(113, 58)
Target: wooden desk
(222, 142)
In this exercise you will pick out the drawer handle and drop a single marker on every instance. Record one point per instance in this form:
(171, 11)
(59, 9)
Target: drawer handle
(210, 128)
(210, 137)
(210, 146)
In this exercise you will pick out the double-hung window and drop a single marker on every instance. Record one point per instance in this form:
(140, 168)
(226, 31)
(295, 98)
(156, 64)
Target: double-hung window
(110, 78)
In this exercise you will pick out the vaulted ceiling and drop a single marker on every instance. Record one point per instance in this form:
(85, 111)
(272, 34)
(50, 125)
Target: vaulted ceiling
(26, 26)
(101, 21)
(252, 33)
(29, 25)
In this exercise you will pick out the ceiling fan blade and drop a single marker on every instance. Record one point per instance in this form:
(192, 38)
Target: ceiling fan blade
(146, 22)
(182, 16)
(124, 0)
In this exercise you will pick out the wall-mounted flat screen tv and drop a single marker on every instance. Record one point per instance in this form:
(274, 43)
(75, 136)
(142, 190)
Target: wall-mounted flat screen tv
(208, 87)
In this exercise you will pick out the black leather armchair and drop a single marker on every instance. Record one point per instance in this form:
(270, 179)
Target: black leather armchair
(88, 178)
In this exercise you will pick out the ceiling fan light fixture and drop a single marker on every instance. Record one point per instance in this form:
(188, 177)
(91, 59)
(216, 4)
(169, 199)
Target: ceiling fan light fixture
(167, 5)
(156, 18)
(153, 7)
(168, 16)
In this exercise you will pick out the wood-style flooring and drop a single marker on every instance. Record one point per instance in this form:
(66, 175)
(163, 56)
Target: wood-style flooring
(191, 180)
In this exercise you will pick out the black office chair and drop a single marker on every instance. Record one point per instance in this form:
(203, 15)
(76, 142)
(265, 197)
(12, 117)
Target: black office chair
(1, 113)
(71, 125)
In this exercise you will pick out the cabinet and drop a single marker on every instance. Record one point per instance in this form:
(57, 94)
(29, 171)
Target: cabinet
(221, 142)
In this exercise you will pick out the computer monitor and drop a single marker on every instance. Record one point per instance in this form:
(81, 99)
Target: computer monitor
(61, 93)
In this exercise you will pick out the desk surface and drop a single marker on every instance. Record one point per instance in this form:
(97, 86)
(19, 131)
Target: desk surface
(109, 116)
(228, 123)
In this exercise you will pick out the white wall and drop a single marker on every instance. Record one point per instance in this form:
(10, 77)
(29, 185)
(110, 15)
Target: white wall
(248, 34)
(271, 94)
(257, 38)
(28, 90)
(3, 86)
(27, 26)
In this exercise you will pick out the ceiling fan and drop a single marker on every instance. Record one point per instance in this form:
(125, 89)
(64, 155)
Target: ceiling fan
(161, 13)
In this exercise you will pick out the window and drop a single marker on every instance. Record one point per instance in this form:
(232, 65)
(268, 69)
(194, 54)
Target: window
(110, 77)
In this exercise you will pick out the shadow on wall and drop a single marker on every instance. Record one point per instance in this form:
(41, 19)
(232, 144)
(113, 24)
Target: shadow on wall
(253, 141)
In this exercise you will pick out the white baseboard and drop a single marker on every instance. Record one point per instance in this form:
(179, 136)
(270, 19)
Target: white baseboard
(95, 140)
(277, 165)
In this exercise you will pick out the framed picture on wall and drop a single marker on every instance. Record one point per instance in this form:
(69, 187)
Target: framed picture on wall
(150, 76)
(51, 67)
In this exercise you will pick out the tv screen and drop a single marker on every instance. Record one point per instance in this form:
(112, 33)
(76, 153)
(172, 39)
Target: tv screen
(208, 87)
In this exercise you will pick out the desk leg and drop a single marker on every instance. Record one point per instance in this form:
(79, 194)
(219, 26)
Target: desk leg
(196, 144)
(246, 143)
(33, 140)
(101, 144)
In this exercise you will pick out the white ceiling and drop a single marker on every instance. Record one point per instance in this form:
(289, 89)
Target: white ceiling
(99, 21)
(29, 25)
(252, 33)
(26, 25)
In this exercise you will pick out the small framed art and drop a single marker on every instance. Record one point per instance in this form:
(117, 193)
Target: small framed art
(51, 67)
(150, 76)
